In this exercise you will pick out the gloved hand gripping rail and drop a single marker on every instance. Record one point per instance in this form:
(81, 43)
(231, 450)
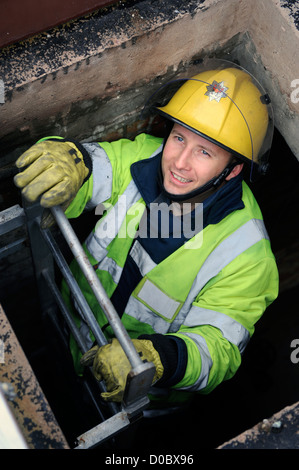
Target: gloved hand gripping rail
(141, 375)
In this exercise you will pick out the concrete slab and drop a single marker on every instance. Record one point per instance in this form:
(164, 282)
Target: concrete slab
(28, 404)
(280, 431)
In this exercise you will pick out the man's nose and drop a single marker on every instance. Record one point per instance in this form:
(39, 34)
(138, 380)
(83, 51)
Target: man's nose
(183, 160)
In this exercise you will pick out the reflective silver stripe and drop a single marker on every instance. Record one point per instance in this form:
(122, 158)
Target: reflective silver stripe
(109, 265)
(142, 258)
(109, 226)
(144, 314)
(242, 239)
(101, 173)
(85, 332)
(206, 363)
(157, 300)
(231, 330)
(239, 241)
(140, 312)
(235, 244)
(157, 151)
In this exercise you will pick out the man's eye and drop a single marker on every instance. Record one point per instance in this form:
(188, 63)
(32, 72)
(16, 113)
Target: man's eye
(179, 138)
(205, 152)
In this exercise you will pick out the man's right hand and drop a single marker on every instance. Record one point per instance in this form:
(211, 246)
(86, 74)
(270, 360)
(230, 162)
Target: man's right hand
(56, 172)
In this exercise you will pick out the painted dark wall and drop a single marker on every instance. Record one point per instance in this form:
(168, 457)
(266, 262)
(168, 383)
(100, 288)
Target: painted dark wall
(20, 19)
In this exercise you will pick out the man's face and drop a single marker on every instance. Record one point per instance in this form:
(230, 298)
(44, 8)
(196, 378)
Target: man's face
(189, 161)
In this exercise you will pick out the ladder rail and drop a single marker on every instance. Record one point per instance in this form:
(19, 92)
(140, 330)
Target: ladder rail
(140, 377)
(74, 288)
(97, 288)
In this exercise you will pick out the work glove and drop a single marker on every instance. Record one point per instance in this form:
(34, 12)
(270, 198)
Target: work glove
(56, 172)
(110, 363)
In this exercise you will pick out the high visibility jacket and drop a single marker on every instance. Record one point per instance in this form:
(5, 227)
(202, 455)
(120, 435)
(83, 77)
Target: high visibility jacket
(210, 292)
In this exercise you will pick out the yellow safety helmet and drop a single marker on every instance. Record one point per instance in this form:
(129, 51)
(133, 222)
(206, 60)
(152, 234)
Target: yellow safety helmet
(227, 106)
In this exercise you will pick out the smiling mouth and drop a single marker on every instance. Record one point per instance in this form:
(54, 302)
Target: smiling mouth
(179, 178)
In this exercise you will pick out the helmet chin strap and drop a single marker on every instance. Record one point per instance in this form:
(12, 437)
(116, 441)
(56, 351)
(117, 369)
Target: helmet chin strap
(214, 183)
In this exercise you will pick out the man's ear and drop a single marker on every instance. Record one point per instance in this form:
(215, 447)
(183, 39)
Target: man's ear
(235, 171)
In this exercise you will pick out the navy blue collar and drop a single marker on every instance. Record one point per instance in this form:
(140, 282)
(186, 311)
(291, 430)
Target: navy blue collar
(145, 174)
(218, 205)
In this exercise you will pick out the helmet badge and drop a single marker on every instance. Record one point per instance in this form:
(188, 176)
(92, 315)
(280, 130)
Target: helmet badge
(216, 91)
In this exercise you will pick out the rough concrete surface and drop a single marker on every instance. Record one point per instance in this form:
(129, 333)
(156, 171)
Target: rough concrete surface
(28, 403)
(280, 431)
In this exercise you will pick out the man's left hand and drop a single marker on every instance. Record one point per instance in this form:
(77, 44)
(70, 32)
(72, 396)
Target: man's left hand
(111, 364)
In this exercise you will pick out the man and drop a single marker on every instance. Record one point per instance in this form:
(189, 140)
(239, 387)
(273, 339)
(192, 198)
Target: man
(189, 303)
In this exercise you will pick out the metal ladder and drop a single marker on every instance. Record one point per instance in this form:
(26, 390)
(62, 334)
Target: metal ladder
(45, 250)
